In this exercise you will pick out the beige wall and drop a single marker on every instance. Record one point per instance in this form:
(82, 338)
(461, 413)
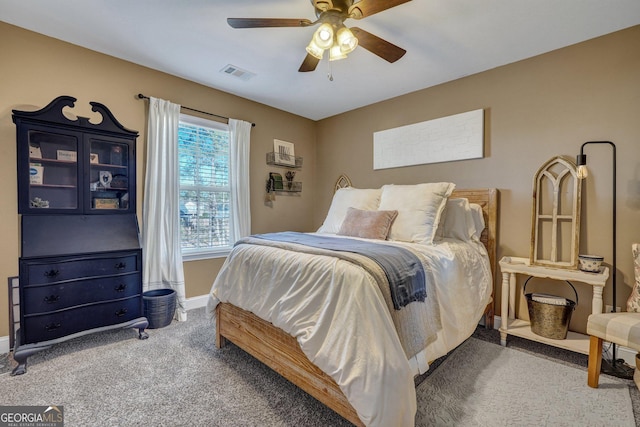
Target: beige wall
(534, 110)
(35, 69)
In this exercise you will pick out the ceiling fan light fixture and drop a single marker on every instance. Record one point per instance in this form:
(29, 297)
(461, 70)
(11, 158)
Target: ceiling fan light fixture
(331, 15)
(335, 53)
(323, 36)
(314, 50)
(346, 40)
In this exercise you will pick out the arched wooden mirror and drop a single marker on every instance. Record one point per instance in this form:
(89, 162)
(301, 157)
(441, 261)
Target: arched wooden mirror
(555, 221)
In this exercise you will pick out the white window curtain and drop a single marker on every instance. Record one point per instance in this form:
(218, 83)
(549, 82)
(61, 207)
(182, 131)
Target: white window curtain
(162, 257)
(240, 135)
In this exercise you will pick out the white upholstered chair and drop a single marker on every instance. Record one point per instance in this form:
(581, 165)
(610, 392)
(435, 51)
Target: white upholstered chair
(619, 328)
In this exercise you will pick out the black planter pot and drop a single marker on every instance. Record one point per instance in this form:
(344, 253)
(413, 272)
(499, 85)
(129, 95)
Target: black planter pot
(159, 307)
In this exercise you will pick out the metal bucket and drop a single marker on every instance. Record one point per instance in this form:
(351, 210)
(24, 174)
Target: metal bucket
(547, 319)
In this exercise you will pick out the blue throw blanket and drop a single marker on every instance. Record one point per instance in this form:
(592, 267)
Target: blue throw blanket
(403, 269)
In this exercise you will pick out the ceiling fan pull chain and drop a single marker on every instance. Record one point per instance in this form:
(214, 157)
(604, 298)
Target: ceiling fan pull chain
(329, 74)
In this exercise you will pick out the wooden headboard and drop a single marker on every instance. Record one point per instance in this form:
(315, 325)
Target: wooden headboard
(487, 198)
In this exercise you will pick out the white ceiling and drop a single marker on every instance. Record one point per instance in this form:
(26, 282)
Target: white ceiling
(444, 39)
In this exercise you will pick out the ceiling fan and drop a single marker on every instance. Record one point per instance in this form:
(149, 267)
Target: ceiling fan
(332, 34)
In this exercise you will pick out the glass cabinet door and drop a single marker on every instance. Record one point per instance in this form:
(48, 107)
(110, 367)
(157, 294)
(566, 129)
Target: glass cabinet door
(71, 166)
(53, 171)
(109, 180)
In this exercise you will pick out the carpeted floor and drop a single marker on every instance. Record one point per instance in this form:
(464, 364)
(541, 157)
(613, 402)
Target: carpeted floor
(178, 378)
(506, 387)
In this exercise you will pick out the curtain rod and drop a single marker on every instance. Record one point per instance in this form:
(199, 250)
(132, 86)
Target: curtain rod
(141, 96)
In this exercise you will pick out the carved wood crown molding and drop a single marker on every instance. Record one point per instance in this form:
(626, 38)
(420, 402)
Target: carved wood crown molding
(53, 113)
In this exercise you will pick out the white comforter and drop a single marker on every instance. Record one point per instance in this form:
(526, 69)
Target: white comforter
(339, 317)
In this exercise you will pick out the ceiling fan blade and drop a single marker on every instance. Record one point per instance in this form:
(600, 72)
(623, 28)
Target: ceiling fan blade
(365, 8)
(267, 22)
(376, 45)
(309, 64)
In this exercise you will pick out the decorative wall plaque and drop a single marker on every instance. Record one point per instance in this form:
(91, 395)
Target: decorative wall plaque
(555, 220)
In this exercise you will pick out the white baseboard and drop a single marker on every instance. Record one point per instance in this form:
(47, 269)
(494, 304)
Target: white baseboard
(625, 353)
(497, 322)
(5, 345)
(628, 355)
(192, 303)
(197, 302)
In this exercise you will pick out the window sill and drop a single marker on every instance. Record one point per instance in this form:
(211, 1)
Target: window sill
(210, 254)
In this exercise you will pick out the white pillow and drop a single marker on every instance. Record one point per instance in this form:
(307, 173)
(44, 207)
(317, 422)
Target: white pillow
(461, 220)
(365, 199)
(419, 209)
(456, 221)
(478, 219)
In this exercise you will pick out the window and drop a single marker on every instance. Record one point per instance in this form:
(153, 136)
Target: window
(205, 193)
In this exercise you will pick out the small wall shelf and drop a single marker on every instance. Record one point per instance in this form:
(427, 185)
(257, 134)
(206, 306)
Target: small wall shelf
(272, 160)
(291, 187)
(295, 187)
(276, 183)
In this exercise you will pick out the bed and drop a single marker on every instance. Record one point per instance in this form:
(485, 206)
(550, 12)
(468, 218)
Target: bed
(237, 294)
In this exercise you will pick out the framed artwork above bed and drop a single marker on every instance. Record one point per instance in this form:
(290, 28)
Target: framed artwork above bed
(456, 137)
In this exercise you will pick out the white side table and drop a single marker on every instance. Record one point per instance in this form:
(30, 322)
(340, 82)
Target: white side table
(510, 266)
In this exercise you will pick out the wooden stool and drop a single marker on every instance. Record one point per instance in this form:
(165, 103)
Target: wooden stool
(619, 328)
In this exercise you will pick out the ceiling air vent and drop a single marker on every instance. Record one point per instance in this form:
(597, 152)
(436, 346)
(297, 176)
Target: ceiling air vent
(234, 71)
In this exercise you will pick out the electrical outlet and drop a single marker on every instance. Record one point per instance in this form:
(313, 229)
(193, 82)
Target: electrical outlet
(608, 308)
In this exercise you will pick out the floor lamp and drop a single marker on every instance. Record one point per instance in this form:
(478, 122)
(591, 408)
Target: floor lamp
(614, 367)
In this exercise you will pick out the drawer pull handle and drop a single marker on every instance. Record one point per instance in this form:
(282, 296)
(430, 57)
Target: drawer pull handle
(121, 266)
(52, 326)
(121, 287)
(51, 273)
(52, 299)
(121, 312)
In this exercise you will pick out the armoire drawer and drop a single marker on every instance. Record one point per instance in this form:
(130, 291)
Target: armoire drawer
(47, 271)
(45, 327)
(46, 298)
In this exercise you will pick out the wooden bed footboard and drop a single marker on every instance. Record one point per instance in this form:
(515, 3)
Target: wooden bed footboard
(281, 352)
